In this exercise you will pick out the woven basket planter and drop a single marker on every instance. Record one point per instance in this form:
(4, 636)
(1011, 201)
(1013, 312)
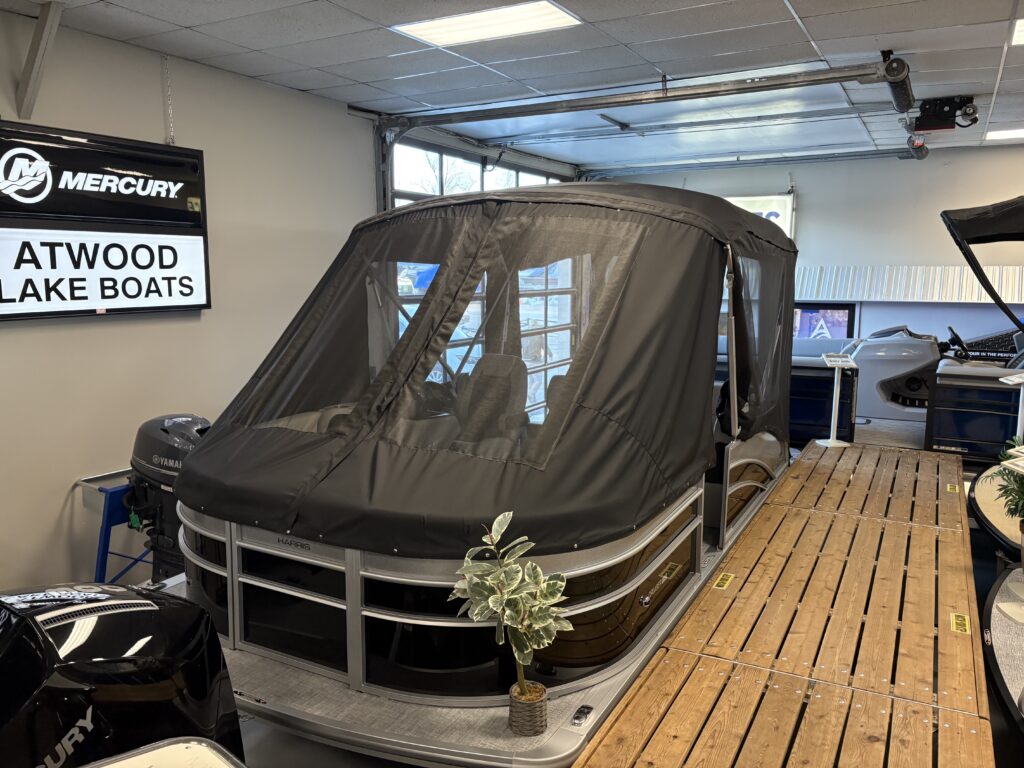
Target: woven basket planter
(528, 718)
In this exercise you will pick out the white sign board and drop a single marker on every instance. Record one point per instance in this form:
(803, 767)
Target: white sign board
(1015, 380)
(776, 208)
(837, 360)
(44, 271)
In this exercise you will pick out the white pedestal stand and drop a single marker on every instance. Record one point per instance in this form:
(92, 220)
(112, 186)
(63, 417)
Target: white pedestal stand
(837, 362)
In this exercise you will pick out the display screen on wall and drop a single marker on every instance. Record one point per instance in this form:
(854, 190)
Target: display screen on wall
(777, 208)
(94, 225)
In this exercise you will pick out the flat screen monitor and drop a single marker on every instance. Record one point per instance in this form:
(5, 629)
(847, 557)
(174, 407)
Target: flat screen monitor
(823, 320)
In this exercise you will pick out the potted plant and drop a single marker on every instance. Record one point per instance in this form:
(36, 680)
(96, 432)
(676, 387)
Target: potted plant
(521, 600)
(1011, 487)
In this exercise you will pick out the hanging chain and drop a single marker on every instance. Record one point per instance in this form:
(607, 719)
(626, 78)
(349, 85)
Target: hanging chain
(165, 74)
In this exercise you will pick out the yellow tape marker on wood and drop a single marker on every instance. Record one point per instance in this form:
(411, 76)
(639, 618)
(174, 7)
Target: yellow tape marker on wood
(958, 622)
(952, 488)
(724, 580)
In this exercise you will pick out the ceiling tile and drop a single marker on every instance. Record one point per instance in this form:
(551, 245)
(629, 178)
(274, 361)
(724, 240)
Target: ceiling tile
(390, 106)
(716, 17)
(252, 63)
(189, 13)
(805, 8)
(341, 50)
(603, 10)
(287, 26)
(1014, 56)
(24, 7)
(605, 78)
(354, 92)
(112, 21)
(907, 17)
(306, 79)
(578, 38)
(796, 53)
(448, 80)
(188, 44)
(954, 77)
(716, 43)
(564, 63)
(974, 58)
(400, 65)
(844, 49)
(390, 12)
(484, 95)
(1011, 87)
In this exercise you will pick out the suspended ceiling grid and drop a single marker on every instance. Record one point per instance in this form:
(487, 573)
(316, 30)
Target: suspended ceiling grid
(343, 50)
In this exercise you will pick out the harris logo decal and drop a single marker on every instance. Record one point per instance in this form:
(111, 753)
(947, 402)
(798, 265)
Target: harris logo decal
(25, 176)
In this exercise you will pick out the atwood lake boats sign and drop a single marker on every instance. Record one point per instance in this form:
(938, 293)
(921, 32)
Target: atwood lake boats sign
(93, 224)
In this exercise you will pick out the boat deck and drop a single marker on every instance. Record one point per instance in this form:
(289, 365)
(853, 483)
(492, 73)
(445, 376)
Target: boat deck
(841, 630)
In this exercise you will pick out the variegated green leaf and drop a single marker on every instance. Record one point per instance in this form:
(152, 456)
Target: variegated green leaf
(517, 551)
(500, 524)
(476, 569)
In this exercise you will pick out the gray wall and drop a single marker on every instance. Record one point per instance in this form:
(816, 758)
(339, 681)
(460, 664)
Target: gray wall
(288, 174)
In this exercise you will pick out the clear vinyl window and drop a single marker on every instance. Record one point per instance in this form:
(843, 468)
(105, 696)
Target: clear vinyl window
(498, 377)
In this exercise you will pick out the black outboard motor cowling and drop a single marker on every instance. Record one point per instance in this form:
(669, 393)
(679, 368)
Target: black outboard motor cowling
(161, 444)
(91, 671)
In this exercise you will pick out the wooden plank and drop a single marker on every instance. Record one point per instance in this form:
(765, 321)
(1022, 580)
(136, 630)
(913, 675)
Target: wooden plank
(841, 477)
(915, 662)
(623, 742)
(957, 680)
(703, 617)
(902, 501)
(620, 708)
(835, 659)
(794, 477)
(800, 648)
(952, 506)
(767, 742)
(671, 743)
(857, 492)
(925, 510)
(867, 731)
(877, 502)
(723, 732)
(772, 626)
(742, 615)
(821, 728)
(964, 741)
(874, 666)
(910, 735)
(815, 484)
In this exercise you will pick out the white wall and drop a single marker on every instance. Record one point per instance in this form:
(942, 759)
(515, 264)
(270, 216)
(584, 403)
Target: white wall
(882, 211)
(287, 175)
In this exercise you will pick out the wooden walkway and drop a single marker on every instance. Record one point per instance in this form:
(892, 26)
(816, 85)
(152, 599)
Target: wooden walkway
(840, 630)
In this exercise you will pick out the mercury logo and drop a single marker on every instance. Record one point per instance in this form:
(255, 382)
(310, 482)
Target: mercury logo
(25, 176)
(65, 748)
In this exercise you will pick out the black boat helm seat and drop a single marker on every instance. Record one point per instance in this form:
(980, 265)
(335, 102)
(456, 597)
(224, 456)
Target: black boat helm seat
(492, 403)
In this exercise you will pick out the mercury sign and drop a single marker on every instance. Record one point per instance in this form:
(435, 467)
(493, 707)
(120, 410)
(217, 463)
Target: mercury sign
(776, 208)
(95, 225)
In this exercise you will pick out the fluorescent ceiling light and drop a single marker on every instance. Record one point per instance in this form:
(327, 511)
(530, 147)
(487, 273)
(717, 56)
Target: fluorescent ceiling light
(1018, 33)
(523, 19)
(1010, 133)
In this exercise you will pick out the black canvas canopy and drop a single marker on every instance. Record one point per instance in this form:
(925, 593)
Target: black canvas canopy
(999, 222)
(549, 350)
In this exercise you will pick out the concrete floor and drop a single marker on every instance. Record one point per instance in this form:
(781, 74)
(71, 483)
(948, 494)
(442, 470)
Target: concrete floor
(899, 434)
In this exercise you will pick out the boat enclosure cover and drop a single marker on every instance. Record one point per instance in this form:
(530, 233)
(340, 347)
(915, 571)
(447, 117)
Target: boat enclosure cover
(995, 223)
(547, 350)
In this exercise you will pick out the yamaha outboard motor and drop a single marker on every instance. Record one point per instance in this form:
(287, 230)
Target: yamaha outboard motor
(90, 671)
(161, 444)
